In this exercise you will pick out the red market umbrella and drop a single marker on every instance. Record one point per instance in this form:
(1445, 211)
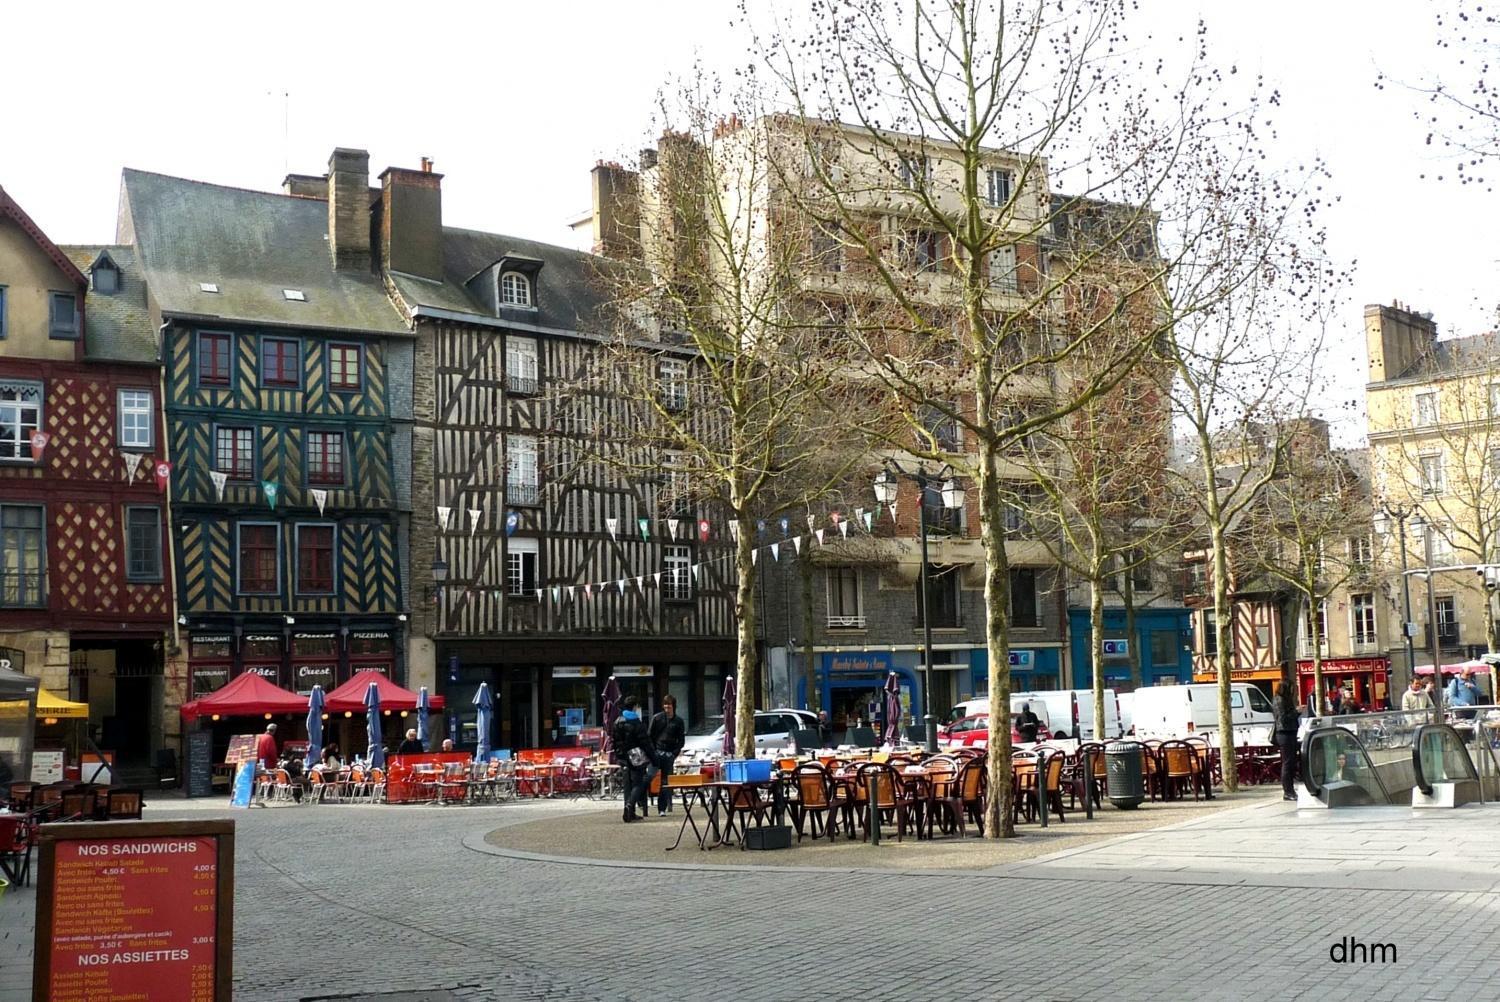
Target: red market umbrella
(611, 714)
(249, 695)
(729, 711)
(350, 697)
(1453, 669)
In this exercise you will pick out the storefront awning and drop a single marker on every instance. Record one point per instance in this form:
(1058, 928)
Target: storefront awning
(249, 695)
(350, 697)
(48, 705)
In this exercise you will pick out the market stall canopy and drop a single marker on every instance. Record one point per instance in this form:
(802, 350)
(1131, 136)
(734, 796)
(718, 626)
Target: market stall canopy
(48, 705)
(350, 697)
(1454, 669)
(249, 695)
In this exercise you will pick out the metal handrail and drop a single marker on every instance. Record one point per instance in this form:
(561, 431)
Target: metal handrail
(1416, 754)
(1305, 760)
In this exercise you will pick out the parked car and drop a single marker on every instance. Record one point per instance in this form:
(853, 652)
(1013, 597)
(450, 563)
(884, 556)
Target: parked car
(974, 731)
(773, 730)
(969, 707)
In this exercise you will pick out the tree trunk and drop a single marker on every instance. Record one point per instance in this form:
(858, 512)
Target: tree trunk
(997, 815)
(1096, 655)
(1224, 620)
(809, 665)
(1315, 636)
(746, 614)
(1137, 675)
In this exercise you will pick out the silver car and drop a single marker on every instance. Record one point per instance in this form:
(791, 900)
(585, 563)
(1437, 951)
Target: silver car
(773, 731)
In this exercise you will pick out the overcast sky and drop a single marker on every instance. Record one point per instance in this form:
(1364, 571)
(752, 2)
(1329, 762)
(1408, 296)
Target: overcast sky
(515, 102)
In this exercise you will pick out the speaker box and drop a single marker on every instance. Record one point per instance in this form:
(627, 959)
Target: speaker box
(769, 837)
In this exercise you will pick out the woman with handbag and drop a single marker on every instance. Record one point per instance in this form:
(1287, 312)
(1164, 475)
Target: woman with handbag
(632, 749)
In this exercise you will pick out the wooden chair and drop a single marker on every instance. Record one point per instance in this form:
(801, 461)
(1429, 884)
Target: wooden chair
(813, 799)
(20, 797)
(77, 805)
(745, 804)
(121, 805)
(890, 797)
(1180, 769)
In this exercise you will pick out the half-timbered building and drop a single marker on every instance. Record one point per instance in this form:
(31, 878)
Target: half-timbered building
(288, 380)
(85, 583)
(551, 571)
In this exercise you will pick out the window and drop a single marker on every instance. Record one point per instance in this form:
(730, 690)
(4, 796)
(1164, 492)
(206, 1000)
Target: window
(520, 568)
(1432, 474)
(142, 544)
(844, 606)
(1210, 632)
(213, 359)
(827, 250)
(1140, 571)
(1362, 618)
(64, 317)
(1002, 269)
(23, 556)
(676, 498)
(280, 360)
(1022, 508)
(234, 452)
(20, 417)
(942, 597)
(1361, 552)
(1024, 601)
(1315, 619)
(941, 518)
(135, 419)
(1425, 408)
(915, 171)
(515, 289)
(1447, 618)
(325, 458)
(1494, 399)
(674, 393)
(315, 559)
(997, 191)
(2, 311)
(942, 430)
(921, 250)
(1495, 467)
(521, 485)
(1164, 648)
(520, 364)
(343, 366)
(106, 280)
(260, 558)
(1442, 543)
(677, 574)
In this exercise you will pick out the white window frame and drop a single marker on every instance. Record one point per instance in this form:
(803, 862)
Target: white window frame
(519, 553)
(999, 185)
(1494, 400)
(1305, 628)
(13, 418)
(1362, 608)
(1001, 264)
(673, 374)
(1361, 551)
(840, 615)
(135, 418)
(677, 573)
(909, 167)
(1434, 479)
(521, 355)
(515, 290)
(1420, 420)
(521, 473)
(1442, 543)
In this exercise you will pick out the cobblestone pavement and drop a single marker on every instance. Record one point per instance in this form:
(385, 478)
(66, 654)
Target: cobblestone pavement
(412, 905)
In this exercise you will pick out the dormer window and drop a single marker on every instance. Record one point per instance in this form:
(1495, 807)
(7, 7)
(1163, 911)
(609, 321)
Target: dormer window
(106, 280)
(515, 290)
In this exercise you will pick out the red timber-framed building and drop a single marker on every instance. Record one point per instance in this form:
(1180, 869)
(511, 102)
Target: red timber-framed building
(85, 579)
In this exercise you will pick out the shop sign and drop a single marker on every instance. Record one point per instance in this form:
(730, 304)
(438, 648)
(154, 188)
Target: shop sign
(867, 661)
(363, 635)
(573, 671)
(304, 677)
(313, 636)
(256, 638)
(634, 671)
(211, 638)
(269, 672)
(206, 680)
(1117, 648)
(1020, 659)
(125, 909)
(378, 667)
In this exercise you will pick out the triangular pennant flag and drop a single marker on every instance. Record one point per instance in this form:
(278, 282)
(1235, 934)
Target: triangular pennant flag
(588, 591)
(442, 521)
(734, 530)
(893, 511)
(474, 515)
(869, 517)
(797, 542)
(645, 525)
(320, 496)
(621, 585)
(812, 522)
(163, 471)
(844, 529)
(271, 490)
(656, 578)
(672, 524)
(697, 572)
(640, 583)
(220, 478)
(819, 534)
(39, 440)
(538, 594)
(132, 463)
(859, 513)
(775, 551)
(611, 524)
(754, 557)
(556, 593)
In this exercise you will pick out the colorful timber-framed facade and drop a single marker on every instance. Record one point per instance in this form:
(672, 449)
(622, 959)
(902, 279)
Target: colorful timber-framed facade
(85, 583)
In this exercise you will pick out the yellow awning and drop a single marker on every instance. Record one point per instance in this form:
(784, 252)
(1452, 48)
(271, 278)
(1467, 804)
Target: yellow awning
(48, 705)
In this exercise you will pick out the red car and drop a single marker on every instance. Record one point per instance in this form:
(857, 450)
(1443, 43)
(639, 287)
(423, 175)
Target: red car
(975, 730)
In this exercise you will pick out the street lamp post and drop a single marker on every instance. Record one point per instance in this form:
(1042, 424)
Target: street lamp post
(1399, 514)
(1434, 634)
(953, 498)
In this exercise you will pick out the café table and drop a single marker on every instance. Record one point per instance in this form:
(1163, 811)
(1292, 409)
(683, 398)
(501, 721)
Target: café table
(698, 795)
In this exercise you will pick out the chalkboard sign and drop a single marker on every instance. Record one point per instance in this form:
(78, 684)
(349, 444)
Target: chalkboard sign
(200, 765)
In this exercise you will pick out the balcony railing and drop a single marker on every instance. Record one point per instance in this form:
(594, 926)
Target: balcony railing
(846, 622)
(523, 494)
(521, 384)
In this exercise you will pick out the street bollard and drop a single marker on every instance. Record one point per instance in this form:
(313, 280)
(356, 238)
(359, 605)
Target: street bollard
(874, 806)
(1041, 787)
(1088, 782)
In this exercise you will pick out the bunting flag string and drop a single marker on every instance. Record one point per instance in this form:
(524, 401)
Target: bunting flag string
(220, 478)
(893, 511)
(645, 526)
(272, 490)
(844, 529)
(672, 524)
(164, 474)
(797, 542)
(775, 551)
(819, 534)
(734, 530)
(442, 517)
(320, 497)
(611, 524)
(812, 522)
(474, 516)
(869, 520)
(132, 463)
(703, 527)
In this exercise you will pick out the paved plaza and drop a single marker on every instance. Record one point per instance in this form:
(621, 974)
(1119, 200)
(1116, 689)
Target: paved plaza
(408, 904)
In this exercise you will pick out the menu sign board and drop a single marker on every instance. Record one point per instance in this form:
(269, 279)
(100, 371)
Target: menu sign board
(241, 749)
(135, 910)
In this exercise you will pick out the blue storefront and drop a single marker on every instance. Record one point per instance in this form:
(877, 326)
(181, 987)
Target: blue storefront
(1163, 637)
(851, 683)
(1031, 668)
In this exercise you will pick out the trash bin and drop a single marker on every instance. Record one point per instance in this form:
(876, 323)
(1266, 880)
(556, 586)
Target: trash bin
(1124, 784)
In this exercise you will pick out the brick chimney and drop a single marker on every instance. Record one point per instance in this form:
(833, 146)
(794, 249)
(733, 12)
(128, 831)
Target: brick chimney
(411, 221)
(349, 209)
(617, 210)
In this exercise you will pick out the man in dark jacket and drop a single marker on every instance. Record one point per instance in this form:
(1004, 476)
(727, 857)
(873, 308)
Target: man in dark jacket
(632, 746)
(668, 734)
(1284, 717)
(1028, 724)
(410, 745)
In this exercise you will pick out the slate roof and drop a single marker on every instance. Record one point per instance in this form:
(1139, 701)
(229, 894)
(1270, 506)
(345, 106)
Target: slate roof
(252, 244)
(118, 328)
(569, 292)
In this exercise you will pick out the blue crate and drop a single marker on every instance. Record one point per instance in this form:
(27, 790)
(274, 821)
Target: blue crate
(747, 770)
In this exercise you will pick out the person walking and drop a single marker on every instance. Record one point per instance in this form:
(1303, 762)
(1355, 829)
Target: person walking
(825, 729)
(632, 746)
(667, 734)
(1028, 724)
(1284, 714)
(1415, 698)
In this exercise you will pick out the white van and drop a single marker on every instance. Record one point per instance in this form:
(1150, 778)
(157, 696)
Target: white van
(1126, 702)
(981, 704)
(1177, 711)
